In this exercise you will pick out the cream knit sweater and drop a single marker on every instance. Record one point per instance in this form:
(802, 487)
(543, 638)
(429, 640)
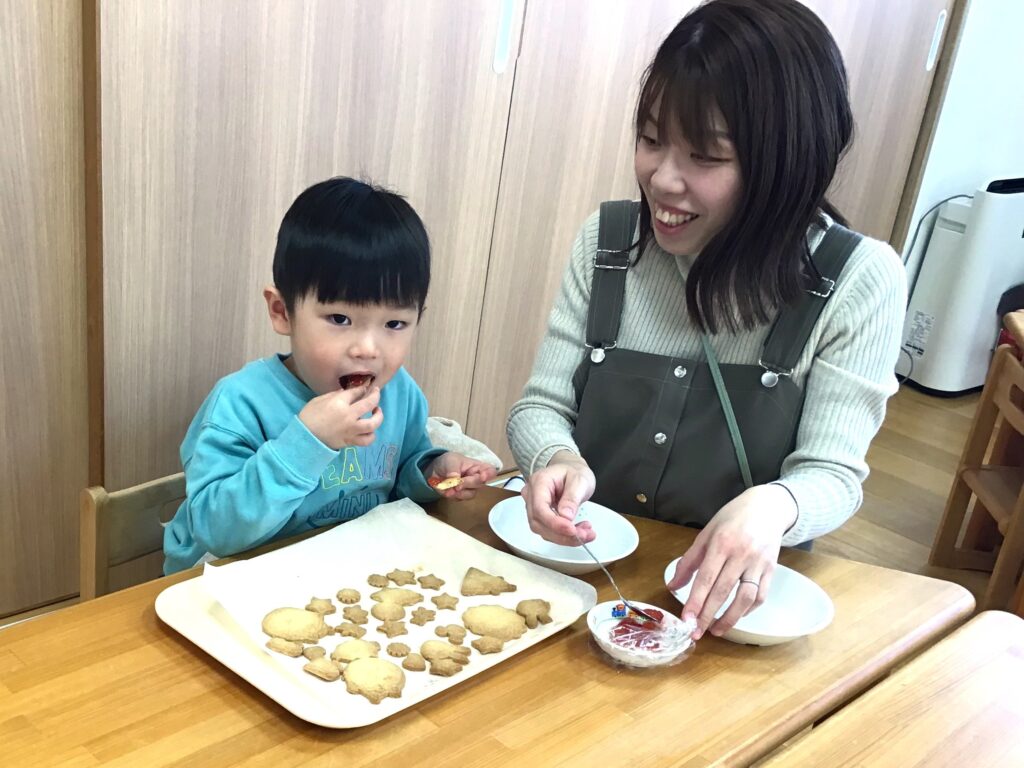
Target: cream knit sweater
(846, 369)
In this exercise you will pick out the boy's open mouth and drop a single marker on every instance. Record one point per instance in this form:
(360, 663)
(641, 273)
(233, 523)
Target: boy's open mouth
(355, 380)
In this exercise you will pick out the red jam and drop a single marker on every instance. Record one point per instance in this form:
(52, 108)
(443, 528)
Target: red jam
(637, 633)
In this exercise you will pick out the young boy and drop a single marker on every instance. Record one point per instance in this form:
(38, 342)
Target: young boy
(320, 436)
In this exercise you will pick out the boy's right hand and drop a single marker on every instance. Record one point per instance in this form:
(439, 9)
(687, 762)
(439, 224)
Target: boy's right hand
(335, 418)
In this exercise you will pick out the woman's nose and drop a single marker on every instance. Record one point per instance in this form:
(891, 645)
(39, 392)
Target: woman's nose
(668, 177)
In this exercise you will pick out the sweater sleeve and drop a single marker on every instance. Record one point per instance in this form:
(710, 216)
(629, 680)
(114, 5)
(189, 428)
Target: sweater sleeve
(541, 423)
(849, 382)
(239, 498)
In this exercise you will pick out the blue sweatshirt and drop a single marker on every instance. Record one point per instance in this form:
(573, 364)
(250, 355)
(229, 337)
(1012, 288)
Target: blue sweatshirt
(254, 472)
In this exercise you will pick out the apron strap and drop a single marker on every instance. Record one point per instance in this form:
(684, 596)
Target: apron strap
(614, 242)
(793, 326)
(730, 415)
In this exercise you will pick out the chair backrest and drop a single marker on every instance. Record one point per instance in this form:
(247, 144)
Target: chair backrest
(122, 535)
(1009, 389)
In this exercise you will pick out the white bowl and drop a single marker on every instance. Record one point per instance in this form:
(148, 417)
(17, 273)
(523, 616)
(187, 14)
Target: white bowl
(795, 607)
(601, 619)
(616, 537)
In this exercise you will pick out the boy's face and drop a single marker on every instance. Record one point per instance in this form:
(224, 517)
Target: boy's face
(340, 345)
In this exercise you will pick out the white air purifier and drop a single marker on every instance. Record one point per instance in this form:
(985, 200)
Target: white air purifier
(975, 253)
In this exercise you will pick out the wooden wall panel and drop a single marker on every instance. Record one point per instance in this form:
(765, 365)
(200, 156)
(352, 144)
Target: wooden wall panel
(570, 146)
(885, 46)
(43, 453)
(215, 115)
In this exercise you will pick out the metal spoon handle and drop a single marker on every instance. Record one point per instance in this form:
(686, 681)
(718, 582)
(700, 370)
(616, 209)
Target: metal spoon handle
(614, 585)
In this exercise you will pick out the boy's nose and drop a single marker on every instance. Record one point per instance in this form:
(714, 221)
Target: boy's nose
(364, 347)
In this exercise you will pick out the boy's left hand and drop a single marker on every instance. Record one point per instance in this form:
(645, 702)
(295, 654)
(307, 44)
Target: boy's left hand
(474, 474)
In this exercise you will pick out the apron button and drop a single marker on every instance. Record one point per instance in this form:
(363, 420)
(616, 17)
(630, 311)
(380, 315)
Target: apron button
(597, 355)
(679, 372)
(660, 438)
(642, 498)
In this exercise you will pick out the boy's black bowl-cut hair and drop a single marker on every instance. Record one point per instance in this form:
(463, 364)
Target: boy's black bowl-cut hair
(346, 240)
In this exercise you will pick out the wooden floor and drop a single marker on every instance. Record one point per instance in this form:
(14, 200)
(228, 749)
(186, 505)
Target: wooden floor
(912, 463)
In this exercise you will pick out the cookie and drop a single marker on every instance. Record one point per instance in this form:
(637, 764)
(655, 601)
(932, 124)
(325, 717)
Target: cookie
(444, 484)
(376, 580)
(387, 611)
(535, 612)
(313, 652)
(393, 628)
(445, 602)
(323, 668)
(295, 624)
(476, 582)
(287, 647)
(348, 629)
(321, 605)
(414, 663)
(494, 621)
(376, 679)
(439, 650)
(348, 596)
(488, 644)
(445, 667)
(398, 650)
(455, 633)
(350, 650)
(397, 595)
(422, 615)
(430, 582)
(402, 577)
(355, 614)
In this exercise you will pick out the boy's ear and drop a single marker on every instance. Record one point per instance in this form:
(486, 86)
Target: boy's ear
(278, 311)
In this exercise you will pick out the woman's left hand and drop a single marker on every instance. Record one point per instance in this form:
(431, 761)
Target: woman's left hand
(740, 544)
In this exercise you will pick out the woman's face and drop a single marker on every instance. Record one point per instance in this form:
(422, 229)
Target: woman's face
(692, 194)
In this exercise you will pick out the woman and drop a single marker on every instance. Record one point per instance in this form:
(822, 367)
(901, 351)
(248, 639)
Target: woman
(726, 365)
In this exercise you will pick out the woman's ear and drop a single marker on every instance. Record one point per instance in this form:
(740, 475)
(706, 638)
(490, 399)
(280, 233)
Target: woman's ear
(278, 311)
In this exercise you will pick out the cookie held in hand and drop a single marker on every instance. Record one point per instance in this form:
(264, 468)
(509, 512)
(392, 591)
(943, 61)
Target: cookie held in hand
(444, 483)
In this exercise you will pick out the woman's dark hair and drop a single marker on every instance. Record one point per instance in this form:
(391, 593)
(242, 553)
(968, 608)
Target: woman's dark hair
(773, 71)
(346, 240)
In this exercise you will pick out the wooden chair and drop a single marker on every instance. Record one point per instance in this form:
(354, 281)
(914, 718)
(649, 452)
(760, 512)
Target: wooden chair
(996, 485)
(122, 537)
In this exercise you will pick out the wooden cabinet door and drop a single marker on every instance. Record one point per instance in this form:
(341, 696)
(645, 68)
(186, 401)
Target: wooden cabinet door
(885, 46)
(44, 445)
(215, 115)
(570, 146)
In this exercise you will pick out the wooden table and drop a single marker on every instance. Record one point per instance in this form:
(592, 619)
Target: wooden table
(106, 683)
(959, 703)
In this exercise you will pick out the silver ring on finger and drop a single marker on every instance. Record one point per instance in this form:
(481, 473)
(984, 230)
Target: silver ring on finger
(755, 582)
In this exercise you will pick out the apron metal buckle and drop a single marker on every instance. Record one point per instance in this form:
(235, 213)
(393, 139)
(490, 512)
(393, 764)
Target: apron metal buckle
(597, 354)
(771, 375)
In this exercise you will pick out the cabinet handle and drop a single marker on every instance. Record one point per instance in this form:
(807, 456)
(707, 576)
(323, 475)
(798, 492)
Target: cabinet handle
(933, 52)
(503, 40)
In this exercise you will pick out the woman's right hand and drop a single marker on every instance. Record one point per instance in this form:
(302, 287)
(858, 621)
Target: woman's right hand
(553, 496)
